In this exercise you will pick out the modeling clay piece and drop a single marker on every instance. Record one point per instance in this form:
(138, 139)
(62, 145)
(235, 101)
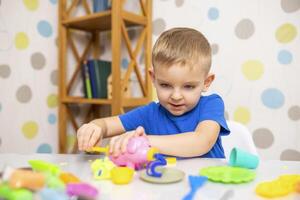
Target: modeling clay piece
(151, 167)
(27, 179)
(81, 190)
(282, 186)
(68, 178)
(54, 182)
(14, 194)
(121, 175)
(101, 168)
(195, 183)
(297, 187)
(138, 153)
(42, 166)
(50, 194)
(226, 174)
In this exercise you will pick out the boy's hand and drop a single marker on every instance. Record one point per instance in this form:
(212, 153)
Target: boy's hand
(88, 135)
(118, 144)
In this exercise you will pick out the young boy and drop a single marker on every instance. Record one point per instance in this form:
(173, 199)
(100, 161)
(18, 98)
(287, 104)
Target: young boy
(183, 123)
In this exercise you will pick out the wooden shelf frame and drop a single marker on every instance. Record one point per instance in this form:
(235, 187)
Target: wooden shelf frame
(117, 21)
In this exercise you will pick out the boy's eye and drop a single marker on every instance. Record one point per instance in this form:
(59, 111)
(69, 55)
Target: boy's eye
(164, 85)
(189, 86)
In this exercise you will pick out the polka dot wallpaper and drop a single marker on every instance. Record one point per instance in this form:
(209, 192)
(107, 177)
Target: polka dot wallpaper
(255, 47)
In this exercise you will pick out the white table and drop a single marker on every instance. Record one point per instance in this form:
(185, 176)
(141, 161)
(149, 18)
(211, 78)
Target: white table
(139, 190)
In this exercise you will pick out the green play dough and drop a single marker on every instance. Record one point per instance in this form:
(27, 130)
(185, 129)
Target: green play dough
(169, 175)
(226, 174)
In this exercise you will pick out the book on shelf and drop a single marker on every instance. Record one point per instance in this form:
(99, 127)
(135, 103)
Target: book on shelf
(86, 80)
(99, 72)
(92, 73)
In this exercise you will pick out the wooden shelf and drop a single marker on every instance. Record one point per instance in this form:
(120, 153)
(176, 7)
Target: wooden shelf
(116, 20)
(102, 21)
(81, 100)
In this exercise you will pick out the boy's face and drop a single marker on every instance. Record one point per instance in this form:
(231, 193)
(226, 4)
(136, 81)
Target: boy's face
(179, 88)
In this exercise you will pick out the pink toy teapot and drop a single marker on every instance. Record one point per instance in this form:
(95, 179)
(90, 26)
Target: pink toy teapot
(139, 152)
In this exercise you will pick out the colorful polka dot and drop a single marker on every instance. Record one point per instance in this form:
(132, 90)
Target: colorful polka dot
(290, 6)
(44, 148)
(244, 29)
(263, 138)
(24, 94)
(290, 155)
(253, 69)
(21, 41)
(242, 115)
(179, 3)
(294, 113)
(213, 14)
(286, 33)
(125, 63)
(284, 57)
(30, 129)
(272, 98)
(214, 49)
(159, 25)
(44, 28)
(51, 118)
(38, 61)
(53, 77)
(31, 5)
(52, 101)
(4, 71)
(53, 2)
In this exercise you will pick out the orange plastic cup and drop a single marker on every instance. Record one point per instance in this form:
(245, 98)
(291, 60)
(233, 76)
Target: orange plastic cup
(121, 175)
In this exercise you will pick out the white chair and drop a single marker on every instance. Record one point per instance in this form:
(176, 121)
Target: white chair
(239, 137)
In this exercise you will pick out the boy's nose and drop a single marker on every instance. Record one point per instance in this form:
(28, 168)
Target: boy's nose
(176, 95)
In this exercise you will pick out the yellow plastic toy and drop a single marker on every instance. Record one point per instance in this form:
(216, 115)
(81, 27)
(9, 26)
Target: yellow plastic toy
(102, 168)
(121, 175)
(99, 150)
(282, 186)
(171, 160)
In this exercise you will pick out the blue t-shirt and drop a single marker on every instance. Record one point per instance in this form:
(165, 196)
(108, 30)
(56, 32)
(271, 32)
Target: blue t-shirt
(157, 120)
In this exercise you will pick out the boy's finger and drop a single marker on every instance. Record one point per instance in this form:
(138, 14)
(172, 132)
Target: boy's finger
(95, 137)
(111, 144)
(117, 146)
(86, 138)
(125, 142)
(139, 131)
(80, 134)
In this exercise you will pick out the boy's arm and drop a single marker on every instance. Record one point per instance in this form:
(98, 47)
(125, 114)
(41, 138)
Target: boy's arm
(111, 126)
(189, 144)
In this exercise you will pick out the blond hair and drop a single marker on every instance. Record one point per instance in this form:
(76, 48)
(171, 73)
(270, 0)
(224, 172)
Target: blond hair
(184, 46)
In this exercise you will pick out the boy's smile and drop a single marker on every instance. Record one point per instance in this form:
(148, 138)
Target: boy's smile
(179, 87)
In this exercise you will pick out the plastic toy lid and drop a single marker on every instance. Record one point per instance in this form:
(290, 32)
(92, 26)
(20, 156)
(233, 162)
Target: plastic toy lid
(169, 175)
(226, 174)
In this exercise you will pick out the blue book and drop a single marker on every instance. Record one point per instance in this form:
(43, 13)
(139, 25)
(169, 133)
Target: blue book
(92, 74)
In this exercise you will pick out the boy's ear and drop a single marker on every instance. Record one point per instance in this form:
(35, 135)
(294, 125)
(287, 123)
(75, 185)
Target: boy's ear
(152, 76)
(208, 80)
